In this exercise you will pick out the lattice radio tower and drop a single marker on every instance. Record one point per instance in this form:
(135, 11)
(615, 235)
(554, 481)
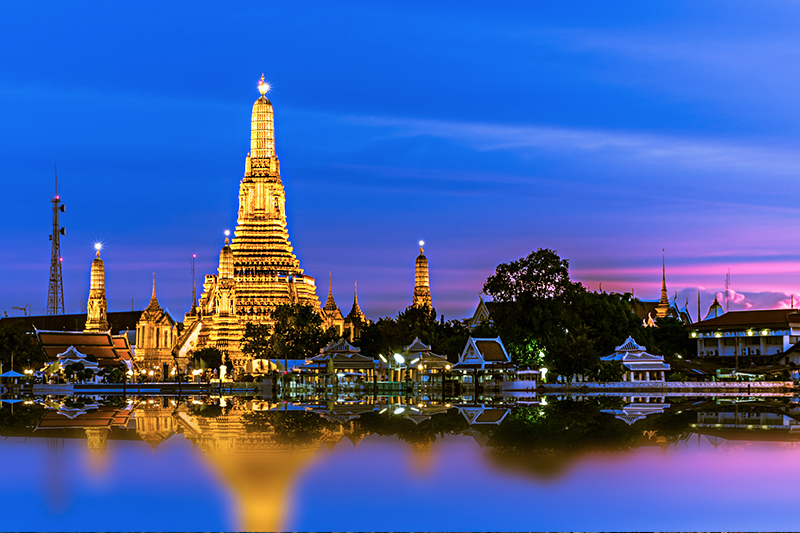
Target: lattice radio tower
(55, 292)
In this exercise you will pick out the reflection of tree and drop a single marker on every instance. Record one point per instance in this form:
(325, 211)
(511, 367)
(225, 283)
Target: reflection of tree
(545, 439)
(289, 427)
(405, 429)
(21, 417)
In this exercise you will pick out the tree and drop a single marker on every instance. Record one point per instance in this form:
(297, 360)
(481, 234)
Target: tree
(19, 344)
(391, 335)
(255, 341)
(545, 318)
(296, 333)
(543, 274)
(207, 358)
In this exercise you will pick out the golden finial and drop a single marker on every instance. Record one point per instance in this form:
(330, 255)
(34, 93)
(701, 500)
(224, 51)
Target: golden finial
(263, 86)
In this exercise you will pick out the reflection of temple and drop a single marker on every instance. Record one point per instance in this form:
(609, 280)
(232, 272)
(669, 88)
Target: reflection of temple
(638, 408)
(749, 421)
(259, 269)
(256, 463)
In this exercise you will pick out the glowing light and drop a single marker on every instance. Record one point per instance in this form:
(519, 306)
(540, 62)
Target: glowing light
(419, 367)
(227, 232)
(399, 410)
(399, 358)
(447, 367)
(60, 258)
(765, 332)
(422, 243)
(413, 362)
(263, 86)
(98, 246)
(194, 255)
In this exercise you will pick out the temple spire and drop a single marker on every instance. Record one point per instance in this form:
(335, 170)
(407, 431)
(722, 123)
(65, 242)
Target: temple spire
(330, 304)
(97, 306)
(153, 301)
(356, 312)
(262, 125)
(422, 288)
(662, 309)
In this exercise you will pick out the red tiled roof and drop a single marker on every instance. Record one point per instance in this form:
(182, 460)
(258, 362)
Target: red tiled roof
(766, 318)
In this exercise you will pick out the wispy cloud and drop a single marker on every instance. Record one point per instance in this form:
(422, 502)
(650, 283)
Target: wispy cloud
(701, 154)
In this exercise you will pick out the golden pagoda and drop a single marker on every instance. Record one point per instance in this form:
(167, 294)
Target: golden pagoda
(422, 287)
(258, 269)
(663, 307)
(97, 306)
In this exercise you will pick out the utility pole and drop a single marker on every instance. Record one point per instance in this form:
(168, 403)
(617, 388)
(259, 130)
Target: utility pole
(194, 285)
(55, 291)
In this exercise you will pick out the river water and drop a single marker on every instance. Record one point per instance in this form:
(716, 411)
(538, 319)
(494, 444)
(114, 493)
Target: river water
(539, 463)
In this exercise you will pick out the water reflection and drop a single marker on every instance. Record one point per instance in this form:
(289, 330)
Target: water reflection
(260, 448)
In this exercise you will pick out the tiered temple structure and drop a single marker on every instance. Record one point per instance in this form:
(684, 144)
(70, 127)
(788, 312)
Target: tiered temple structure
(331, 314)
(97, 306)
(422, 287)
(156, 335)
(258, 269)
(663, 308)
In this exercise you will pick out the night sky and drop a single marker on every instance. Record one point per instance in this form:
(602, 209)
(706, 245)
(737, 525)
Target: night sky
(605, 132)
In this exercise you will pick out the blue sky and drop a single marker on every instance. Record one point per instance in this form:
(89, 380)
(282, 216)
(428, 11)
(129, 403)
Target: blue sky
(604, 132)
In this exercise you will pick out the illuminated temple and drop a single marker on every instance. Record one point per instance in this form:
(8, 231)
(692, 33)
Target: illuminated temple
(257, 268)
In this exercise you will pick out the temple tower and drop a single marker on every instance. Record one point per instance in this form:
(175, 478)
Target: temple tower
(331, 314)
(156, 334)
(97, 306)
(422, 288)
(356, 320)
(258, 269)
(662, 309)
(266, 271)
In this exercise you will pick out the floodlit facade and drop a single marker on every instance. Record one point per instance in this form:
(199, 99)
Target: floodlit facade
(422, 285)
(258, 269)
(753, 334)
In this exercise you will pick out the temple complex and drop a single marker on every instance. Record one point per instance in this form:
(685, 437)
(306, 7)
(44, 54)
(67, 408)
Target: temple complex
(422, 287)
(97, 306)
(258, 269)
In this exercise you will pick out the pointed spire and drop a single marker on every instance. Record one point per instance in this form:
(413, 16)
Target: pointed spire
(330, 304)
(663, 308)
(356, 310)
(664, 297)
(153, 305)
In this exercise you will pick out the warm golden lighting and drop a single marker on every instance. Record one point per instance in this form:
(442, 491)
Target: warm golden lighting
(98, 246)
(263, 86)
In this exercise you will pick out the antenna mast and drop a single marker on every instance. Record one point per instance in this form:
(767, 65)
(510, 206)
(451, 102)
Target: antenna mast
(727, 289)
(55, 291)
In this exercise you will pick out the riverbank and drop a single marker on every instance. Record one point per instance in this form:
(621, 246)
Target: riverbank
(738, 387)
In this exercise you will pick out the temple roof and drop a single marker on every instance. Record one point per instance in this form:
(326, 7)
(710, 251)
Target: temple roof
(630, 346)
(762, 318)
(417, 346)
